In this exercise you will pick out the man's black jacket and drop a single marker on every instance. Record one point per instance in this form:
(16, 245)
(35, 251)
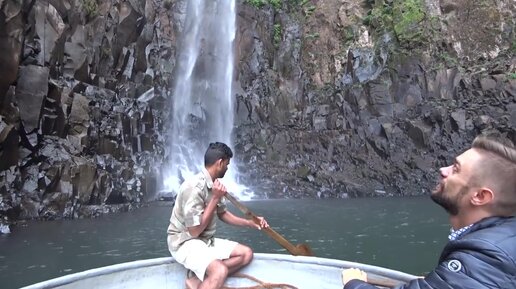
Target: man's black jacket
(481, 258)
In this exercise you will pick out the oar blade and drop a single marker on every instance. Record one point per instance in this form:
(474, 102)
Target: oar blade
(304, 250)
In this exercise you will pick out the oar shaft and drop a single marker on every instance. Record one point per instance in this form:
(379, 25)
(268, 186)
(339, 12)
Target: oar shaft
(382, 282)
(269, 231)
(237, 204)
(282, 241)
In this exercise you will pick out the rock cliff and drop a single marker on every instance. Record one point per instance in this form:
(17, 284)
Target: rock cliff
(361, 98)
(335, 98)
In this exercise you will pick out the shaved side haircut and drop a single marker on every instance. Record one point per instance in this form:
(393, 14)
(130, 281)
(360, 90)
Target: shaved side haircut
(215, 152)
(497, 171)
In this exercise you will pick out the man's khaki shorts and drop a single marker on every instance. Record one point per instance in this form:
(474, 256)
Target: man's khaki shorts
(196, 255)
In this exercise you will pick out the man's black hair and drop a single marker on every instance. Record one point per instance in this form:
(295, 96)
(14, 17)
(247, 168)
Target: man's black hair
(215, 152)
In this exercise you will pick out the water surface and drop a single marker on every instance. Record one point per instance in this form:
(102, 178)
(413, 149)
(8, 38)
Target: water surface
(405, 234)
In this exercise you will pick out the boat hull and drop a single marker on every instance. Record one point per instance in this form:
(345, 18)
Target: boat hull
(297, 271)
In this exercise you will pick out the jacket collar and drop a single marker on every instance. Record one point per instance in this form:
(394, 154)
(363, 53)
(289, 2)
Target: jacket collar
(478, 226)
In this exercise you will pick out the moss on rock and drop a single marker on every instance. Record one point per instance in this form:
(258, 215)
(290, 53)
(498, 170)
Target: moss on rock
(408, 17)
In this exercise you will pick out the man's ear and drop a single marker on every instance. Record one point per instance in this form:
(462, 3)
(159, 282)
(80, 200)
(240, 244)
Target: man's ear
(482, 197)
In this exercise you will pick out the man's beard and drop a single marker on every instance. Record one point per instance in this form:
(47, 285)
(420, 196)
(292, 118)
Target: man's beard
(221, 174)
(447, 203)
(450, 204)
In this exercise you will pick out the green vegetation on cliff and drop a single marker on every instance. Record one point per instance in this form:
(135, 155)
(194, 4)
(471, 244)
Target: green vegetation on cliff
(303, 6)
(275, 3)
(277, 34)
(260, 3)
(407, 19)
(91, 7)
(256, 3)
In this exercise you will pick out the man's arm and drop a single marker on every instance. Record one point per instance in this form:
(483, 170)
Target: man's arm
(209, 211)
(359, 284)
(440, 278)
(228, 218)
(355, 279)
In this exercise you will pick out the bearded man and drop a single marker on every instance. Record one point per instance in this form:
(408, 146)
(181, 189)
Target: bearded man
(479, 193)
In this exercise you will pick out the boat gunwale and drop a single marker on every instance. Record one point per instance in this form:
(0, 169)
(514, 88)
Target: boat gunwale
(105, 270)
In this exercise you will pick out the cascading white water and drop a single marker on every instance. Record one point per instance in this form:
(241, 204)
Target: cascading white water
(202, 101)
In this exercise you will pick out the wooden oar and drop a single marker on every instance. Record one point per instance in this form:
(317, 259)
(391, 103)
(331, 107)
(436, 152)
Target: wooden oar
(382, 281)
(301, 249)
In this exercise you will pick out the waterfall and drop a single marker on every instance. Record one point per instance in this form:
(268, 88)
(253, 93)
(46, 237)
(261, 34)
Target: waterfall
(202, 104)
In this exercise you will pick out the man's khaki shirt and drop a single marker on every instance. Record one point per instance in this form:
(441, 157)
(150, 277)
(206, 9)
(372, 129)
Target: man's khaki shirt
(193, 197)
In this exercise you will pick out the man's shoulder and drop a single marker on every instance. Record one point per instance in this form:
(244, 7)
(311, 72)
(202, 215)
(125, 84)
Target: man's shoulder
(494, 234)
(487, 250)
(197, 181)
(494, 229)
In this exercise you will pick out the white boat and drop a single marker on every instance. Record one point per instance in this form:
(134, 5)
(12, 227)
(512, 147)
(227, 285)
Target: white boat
(297, 271)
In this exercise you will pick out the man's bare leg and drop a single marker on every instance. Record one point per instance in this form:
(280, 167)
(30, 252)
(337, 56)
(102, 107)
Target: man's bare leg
(240, 257)
(216, 275)
(193, 282)
(217, 271)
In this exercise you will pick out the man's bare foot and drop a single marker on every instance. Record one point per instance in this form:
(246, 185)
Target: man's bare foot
(192, 282)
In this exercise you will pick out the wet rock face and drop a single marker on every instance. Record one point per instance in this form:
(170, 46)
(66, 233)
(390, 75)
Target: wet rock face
(30, 93)
(76, 139)
(11, 39)
(380, 102)
(464, 19)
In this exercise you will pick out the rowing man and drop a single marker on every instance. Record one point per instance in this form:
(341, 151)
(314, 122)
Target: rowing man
(191, 232)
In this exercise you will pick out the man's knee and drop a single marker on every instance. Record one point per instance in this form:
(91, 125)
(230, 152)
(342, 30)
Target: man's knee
(247, 255)
(217, 269)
